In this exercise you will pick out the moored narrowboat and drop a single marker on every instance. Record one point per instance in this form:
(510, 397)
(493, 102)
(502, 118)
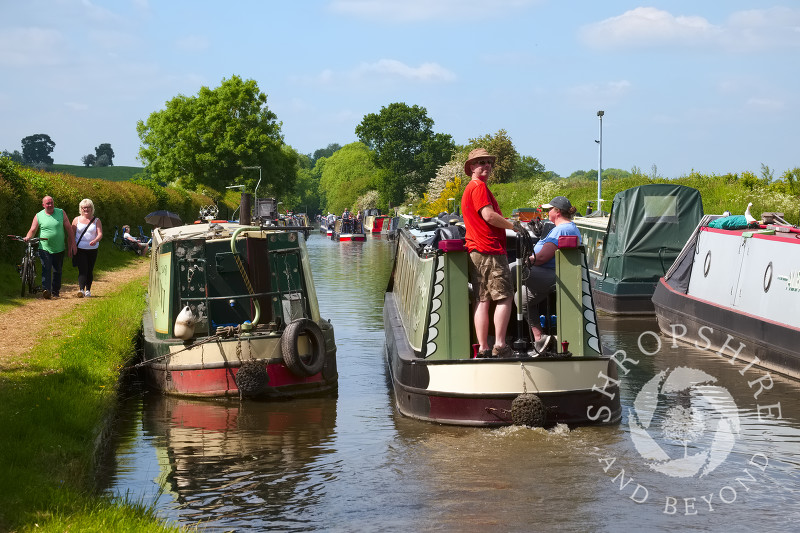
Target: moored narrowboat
(735, 290)
(632, 247)
(232, 311)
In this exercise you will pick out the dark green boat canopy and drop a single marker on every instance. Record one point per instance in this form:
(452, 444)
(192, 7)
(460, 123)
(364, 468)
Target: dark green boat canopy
(647, 229)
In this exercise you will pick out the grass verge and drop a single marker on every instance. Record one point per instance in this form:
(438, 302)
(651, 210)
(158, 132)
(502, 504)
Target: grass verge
(55, 403)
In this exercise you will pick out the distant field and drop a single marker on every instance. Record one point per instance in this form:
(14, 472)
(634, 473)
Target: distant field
(104, 173)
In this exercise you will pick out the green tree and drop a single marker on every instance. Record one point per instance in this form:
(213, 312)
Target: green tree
(499, 145)
(104, 149)
(404, 144)
(15, 156)
(37, 149)
(345, 176)
(528, 168)
(89, 160)
(324, 152)
(205, 140)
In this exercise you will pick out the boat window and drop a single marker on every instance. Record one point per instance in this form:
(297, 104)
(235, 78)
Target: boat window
(663, 209)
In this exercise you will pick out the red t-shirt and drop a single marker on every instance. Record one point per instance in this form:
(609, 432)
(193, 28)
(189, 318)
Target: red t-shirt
(481, 236)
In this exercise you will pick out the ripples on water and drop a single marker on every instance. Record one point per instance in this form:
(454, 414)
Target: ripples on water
(352, 463)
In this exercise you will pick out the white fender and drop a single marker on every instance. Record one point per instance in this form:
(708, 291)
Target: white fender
(184, 324)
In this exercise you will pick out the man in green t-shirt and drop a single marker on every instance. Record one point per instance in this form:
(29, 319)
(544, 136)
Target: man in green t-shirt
(53, 225)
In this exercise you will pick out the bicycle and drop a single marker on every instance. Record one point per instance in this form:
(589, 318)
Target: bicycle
(27, 266)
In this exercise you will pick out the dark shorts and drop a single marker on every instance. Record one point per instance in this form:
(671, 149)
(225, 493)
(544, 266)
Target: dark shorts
(540, 283)
(490, 277)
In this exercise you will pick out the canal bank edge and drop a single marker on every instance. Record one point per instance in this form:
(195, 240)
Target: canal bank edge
(58, 401)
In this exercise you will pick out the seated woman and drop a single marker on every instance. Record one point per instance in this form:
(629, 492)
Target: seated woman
(542, 276)
(141, 247)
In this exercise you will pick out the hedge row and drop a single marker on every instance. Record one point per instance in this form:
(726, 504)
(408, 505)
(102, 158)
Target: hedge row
(116, 203)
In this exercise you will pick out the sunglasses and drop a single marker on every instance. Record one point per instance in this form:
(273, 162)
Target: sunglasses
(484, 162)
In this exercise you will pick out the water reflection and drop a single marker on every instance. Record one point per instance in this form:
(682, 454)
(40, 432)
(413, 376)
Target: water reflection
(231, 463)
(353, 463)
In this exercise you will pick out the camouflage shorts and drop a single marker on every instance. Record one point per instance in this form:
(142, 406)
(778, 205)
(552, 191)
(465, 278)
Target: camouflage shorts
(490, 276)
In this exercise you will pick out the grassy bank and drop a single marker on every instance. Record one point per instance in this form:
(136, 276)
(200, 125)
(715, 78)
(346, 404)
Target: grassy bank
(55, 403)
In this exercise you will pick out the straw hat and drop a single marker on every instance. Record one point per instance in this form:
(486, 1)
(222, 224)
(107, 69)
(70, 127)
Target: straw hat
(477, 153)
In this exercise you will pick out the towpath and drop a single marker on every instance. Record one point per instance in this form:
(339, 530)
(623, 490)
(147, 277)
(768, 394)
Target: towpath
(23, 327)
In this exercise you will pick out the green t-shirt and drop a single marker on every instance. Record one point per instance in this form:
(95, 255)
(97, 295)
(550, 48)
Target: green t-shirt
(51, 227)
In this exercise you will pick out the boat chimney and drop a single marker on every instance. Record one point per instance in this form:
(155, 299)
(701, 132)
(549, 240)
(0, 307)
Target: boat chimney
(244, 209)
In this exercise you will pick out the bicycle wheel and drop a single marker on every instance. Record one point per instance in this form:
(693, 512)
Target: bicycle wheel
(26, 273)
(33, 278)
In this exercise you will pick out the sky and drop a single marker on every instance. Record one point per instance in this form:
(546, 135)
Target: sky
(712, 87)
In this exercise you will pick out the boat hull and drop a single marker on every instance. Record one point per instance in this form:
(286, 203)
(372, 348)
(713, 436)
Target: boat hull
(727, 331)
(347, 237)
(736, 293)
(479, 392)
(210, 369)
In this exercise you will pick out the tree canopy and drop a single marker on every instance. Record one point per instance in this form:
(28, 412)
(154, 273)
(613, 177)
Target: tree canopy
(37, 149)
(499, 145)
(404, 144)
(345, 176)
(324, 152)
(104, 150)
(205, 140)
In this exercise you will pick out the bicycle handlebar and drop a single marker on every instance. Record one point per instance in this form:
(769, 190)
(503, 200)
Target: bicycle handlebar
(32, 240)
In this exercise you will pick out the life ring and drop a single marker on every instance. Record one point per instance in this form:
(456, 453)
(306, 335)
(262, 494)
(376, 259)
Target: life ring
(307, 364)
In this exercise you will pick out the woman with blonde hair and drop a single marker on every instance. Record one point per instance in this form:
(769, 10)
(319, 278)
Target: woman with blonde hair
(88, 231)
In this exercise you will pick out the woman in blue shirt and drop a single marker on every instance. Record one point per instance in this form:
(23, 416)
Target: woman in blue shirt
(542, 277)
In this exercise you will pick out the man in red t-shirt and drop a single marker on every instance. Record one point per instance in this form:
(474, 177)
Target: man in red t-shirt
(488, 263)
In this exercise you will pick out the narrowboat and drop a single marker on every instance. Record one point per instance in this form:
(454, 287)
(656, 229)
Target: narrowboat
(232, 311)
(375, 223)
(735, 290)
(431, 355)
(629, 249)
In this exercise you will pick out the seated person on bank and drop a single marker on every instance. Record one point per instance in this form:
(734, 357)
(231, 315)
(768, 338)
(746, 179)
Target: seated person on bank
(541, 280)
(140, 247)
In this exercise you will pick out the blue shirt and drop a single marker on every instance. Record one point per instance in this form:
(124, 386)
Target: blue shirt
(568, 228)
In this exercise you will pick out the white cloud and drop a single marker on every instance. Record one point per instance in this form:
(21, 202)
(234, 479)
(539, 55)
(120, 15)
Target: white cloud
(764, 28)
(418, 10)
(766, 104)
(391, 68)
(30, 47)
(380, 71)
(649, 27)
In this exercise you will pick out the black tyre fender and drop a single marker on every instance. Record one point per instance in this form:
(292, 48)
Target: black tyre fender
(304, 365)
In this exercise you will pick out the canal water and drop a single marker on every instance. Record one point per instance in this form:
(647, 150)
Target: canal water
(705, 443)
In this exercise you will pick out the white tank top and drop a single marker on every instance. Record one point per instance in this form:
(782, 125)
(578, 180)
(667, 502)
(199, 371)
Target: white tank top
(90, 234)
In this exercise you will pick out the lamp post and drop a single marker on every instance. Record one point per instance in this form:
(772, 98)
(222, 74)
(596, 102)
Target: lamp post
(600, 163)
(255, 192)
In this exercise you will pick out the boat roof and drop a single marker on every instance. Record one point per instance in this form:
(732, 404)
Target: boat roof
(647, 225)
(215, 229)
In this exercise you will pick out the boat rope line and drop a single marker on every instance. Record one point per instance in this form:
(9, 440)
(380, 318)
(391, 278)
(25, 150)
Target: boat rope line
(170, 354)
(533, 382)
(223, 332)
